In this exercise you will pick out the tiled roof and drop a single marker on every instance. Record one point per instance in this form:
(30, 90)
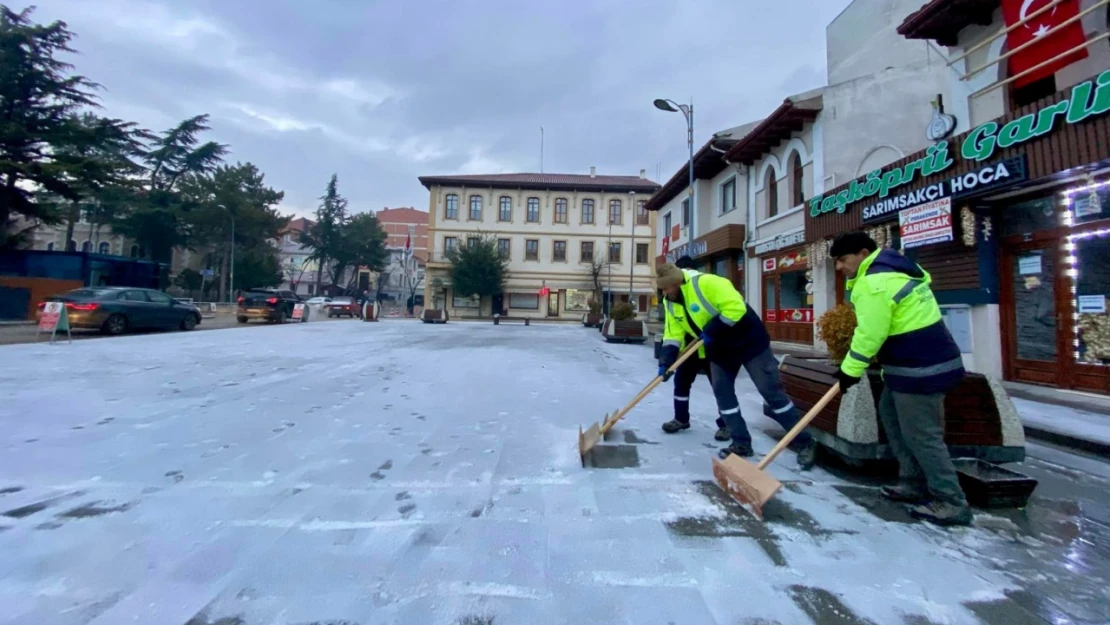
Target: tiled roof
(583, 181)
(708, 162)
(789, 117)
(942, 20)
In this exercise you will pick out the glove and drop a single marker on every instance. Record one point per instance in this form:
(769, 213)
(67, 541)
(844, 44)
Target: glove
(664, 373)
(711, 329)
(846, 381)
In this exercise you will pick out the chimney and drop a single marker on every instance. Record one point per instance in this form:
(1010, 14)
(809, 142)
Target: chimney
(593, 171)
(643, 174)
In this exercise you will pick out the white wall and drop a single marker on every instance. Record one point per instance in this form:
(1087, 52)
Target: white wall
(863, 40)
(713, 217)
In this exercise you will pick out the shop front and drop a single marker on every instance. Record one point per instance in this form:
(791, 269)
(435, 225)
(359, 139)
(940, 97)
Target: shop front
(1012, 221)
(786, 288)
(721, 252)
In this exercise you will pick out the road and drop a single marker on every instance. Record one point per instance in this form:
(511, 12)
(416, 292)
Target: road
(12, 334)
(396, 473)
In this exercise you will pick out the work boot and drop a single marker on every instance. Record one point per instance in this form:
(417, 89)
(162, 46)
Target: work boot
(807, 455)
(744, 451)
(904, 493)
(943, 513)
(674, 425)
(723, 434)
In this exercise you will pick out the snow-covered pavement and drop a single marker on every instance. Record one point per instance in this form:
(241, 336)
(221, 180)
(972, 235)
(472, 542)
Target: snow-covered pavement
(408, 474)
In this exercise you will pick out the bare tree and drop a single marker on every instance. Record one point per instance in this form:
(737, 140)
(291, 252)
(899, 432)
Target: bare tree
(383, 279)
(415, 284)
(594, 272)
(295, 272)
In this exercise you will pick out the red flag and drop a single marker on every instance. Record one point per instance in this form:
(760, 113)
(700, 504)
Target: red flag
(1048, 45)
(666, 245)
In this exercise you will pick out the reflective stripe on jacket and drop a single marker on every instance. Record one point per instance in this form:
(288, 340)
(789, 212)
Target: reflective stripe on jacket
(710, 298)
(899, 321)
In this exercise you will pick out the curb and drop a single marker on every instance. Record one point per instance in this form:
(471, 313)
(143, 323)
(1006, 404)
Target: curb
(1096, 448)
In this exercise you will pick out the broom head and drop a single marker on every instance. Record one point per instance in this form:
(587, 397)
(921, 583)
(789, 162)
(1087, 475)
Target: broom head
(745, 483)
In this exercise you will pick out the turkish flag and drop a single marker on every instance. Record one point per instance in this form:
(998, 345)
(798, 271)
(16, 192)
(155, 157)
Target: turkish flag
(1048, 45)
(666, 246)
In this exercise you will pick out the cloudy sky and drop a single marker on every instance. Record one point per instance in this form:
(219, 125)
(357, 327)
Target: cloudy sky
(383, 91)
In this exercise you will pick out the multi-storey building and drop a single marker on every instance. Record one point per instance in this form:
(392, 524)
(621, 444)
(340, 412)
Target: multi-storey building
(297, 270)
(564, 235)
(400, 279)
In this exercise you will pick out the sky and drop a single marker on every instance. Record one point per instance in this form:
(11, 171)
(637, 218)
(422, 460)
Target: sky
(381, 92)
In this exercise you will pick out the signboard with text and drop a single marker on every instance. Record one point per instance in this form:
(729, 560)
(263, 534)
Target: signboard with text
(53, 318)
(926, 224)
(298, 312)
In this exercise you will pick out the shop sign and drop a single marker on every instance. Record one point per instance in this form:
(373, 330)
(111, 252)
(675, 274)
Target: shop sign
(769, 264)
(1087, 100)
(986, 177)
(792, 259)
(1092, 304)
(781, 242)
(693, 250)
(770, 315)
(926, 224)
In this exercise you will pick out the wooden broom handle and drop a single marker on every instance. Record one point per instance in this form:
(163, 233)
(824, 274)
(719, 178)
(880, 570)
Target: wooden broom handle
(690, 351)
(797, 429)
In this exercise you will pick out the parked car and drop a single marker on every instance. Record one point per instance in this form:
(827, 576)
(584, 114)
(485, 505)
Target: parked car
(116, 310)
(344, 306)
(270, 305)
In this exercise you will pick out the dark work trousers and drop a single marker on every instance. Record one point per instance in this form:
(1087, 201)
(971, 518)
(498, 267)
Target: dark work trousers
(684, 379)
(914, 427)
(764, 372)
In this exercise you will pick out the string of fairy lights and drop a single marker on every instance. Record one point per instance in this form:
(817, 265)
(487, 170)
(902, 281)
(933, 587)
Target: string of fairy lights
(1093, 207)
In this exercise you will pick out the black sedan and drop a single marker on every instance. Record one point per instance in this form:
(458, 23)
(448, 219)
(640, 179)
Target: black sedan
(116, 310)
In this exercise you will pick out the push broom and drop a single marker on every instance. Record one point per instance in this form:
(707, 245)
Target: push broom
(589, 439)
(748, 483)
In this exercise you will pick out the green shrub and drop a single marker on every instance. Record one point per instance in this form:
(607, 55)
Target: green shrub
(622, 312)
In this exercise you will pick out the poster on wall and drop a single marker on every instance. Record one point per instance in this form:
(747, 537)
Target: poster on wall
(796, 315)
(1029, 265)
(793, 258)
(926, 224)
(1092, 304)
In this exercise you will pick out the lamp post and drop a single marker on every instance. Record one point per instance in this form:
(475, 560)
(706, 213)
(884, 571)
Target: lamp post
(687, 111)
(231, 264)
(609, 262)
(632, 248)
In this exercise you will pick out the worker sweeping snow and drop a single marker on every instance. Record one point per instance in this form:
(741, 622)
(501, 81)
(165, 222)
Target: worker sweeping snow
(899, 321)
(709, 307)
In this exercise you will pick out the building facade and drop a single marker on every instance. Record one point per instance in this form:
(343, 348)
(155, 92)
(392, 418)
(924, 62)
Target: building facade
(1006, 202)
(402, 278)
(564, 235)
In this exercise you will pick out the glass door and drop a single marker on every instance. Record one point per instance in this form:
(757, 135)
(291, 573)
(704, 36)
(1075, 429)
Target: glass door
(1031, 312)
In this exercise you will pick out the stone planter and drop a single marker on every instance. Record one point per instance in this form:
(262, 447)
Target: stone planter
(434, 315)
(624, 331)
(371, 311)
(592, 320)
(980, 420)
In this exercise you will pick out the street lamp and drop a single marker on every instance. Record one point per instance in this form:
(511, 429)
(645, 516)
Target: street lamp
(632, 260)
(231, 282)
(687, 111)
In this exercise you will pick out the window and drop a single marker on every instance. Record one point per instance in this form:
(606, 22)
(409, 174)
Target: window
(506, 209)
(50, 246)
(104, 248)
(533, 210)
(86, 246)
(71, 246)
(475, 208)
(450, 244)
(641, 214)
(471, 301)
(559, 252)
(641, 253)
(527, 301)
(667, 225)
(133, 296)
(797, 180)
(504, 248)
(134, 251)
(577, 300)
(159, 297)
(587, 211)
(561, 211)
(728, 196)
(686, 212)
(472, 242)
(615, 212)
(531, 249)
(586, 252)
(451, 207)
(772, 194)
(614, 252)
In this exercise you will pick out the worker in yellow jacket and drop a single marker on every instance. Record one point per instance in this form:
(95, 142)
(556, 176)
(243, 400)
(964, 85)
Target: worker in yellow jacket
(705, 306)
(899, 323)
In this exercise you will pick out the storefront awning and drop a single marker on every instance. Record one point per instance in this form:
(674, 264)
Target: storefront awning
(942, 20)
(790, 117)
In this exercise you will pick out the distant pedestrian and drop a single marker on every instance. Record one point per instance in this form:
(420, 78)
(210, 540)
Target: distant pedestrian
(707, 306)
(899, 322)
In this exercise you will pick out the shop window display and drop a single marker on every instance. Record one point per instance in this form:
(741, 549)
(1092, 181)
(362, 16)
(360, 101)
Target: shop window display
(1091, 277)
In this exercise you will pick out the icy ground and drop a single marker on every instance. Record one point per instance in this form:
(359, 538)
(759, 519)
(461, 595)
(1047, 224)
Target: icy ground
(411, 474)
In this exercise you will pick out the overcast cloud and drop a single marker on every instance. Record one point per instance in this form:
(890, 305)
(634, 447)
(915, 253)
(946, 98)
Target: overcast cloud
(381, 92)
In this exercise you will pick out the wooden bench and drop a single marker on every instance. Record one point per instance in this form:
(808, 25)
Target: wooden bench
(498, 319)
